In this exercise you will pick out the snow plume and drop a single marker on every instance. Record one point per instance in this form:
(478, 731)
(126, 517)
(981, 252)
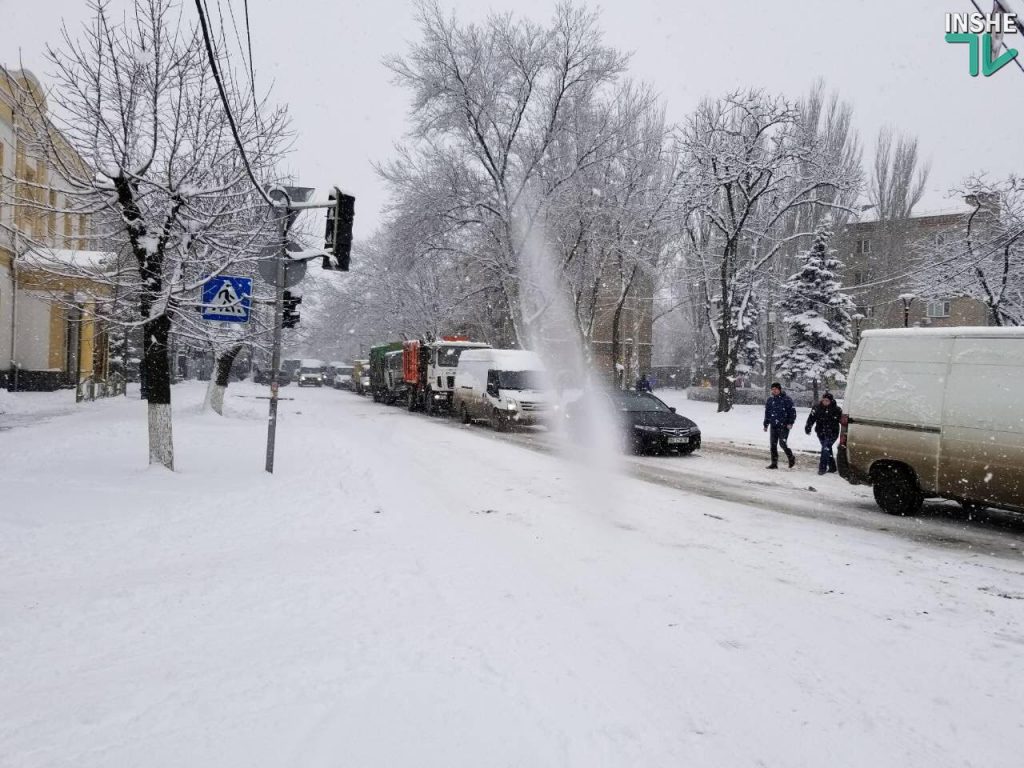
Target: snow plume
(553, 333)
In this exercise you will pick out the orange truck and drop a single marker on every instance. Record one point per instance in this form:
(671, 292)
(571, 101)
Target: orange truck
(428, 368)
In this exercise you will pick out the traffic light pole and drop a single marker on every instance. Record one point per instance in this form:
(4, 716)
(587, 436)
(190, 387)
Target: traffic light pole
(275, 362)
(340, 243)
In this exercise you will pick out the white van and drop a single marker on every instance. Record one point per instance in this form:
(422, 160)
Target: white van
(503, 386)
(936, 413)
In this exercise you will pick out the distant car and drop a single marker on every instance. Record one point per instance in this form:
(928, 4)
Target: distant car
(262, 376)
(646, 423)
(340, 376)
(310, 377)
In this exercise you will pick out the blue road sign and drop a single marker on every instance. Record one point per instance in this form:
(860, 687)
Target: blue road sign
(227, 299)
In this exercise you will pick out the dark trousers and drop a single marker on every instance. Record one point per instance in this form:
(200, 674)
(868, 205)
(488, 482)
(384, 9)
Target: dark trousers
(828, 461)
(779, 436)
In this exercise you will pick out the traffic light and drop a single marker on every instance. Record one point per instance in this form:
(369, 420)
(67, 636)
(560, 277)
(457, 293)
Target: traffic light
(338, 238)
(290, 316)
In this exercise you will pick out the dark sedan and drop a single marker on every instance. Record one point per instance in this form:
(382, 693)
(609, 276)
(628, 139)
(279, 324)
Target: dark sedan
(647, 424)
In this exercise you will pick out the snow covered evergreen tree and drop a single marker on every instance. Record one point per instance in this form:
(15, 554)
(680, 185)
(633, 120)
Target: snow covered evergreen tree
(817, 313)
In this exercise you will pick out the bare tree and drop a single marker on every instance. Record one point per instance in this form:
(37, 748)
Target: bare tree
(751, 165)
(898, 178)
(984, 260)
(136, 101)
(498, 111)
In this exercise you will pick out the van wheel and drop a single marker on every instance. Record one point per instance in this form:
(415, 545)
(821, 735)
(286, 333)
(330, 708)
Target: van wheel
(411, 400)
(896, 491)
(465, 415)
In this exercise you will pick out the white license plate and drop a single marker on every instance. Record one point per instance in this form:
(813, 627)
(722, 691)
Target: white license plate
(678, 440)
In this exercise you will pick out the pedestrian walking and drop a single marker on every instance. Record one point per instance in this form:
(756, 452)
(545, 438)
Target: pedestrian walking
(824, 418)
(643, 384)
(779, 417)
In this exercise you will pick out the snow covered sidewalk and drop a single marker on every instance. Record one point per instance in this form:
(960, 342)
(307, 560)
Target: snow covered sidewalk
(18, 409)
(741, 426)
(399, 594)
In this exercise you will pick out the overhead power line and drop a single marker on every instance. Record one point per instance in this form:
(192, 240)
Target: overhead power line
(224, 100)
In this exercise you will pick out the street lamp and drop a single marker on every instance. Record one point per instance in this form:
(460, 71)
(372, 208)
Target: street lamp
(907, 299)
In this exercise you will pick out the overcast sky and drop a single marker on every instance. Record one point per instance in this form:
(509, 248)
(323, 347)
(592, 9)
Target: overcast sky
(889, 59)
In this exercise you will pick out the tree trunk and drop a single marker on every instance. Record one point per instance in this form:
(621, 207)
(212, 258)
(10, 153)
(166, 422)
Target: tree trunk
(219, 380)
(814, 389)
(726, 356)
(156, 365)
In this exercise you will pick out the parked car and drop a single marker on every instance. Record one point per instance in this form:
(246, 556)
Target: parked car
(311, 374)
(646, 423)
(503, 386)
(262, 376)
(936, 412)
(290, 369)
(339, 375)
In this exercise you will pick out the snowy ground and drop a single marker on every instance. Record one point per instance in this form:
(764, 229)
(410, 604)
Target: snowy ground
(406, 592)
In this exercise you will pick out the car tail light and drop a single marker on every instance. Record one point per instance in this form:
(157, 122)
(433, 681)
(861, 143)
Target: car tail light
(844, 422)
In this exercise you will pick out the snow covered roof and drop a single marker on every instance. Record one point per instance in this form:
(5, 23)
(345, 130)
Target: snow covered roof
(869, 215)
(71, 261)
(954, 332)
(506, 359)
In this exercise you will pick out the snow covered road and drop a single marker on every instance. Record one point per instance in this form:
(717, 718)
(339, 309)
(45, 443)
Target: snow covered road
(735, 472)
(401, 593)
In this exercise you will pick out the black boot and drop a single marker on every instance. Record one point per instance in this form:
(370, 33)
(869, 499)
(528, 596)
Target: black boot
(792, 460)
(773, 465)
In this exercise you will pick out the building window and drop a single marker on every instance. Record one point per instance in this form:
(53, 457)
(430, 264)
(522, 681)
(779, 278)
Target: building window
(858, 278)
(864, 246)
(938, 309)
(83, 243)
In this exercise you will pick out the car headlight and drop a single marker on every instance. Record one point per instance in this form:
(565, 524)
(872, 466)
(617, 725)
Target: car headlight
(646, 428)
(511, 405)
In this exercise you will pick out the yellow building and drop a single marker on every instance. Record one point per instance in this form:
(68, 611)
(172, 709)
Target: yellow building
(49, 334)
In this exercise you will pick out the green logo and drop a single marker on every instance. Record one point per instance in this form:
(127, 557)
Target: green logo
(982, 54)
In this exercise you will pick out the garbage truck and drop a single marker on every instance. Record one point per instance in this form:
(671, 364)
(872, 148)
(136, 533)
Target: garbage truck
(429, 371)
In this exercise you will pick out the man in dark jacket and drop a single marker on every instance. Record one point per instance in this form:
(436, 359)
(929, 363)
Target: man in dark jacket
(643, 384)
(779, 416)
(825, 420)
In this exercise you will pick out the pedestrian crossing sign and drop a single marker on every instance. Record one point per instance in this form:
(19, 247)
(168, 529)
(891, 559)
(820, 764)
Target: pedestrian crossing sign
(227, 299)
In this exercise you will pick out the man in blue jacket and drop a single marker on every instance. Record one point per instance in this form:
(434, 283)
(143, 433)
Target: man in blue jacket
(779, 416)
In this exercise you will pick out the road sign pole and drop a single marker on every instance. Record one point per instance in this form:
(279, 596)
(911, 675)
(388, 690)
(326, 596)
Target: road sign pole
(275, 362)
